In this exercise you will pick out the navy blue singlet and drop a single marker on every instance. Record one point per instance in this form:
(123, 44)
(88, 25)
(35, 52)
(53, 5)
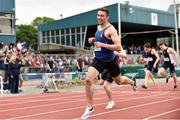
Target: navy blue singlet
(103, 54)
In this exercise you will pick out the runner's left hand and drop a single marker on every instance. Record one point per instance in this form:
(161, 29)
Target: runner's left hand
(98, 44)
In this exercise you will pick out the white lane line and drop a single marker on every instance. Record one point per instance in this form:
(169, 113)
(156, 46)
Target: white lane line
(41, 100)
(136, 106)
(52, 99)
(44, 95)
(43, 113)
(24, 97)
(164, 113)
(51, 104)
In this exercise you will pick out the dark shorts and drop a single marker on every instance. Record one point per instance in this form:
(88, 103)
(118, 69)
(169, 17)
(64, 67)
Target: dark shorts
(111, 66)
(105, 75)
(145, 66)
(150, 68)
(79, 70)
(170, 66)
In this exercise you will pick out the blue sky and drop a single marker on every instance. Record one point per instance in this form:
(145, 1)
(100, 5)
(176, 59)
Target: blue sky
(27, 10)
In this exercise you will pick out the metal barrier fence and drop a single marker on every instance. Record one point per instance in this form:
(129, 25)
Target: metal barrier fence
(64, 75)
(57, 79)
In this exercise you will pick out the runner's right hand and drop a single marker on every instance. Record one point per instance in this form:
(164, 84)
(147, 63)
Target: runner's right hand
(91, 40)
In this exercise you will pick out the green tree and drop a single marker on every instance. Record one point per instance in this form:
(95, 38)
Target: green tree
(41, 20)
(27, 33)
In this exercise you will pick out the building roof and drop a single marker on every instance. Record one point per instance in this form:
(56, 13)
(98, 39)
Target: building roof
(171, 8)
(129, 14)
(7, 6)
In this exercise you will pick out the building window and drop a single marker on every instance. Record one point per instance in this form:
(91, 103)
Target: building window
(73, 37)
(78, 40)
(73, 40)
(62, 31)
(83, 29)
(57, 37)
(72, 30)
(44, 37)
(62, 40)
(52, 36)
(57, 32)
(48, 37)
(67, 36)
(57, 40)
(62, 36)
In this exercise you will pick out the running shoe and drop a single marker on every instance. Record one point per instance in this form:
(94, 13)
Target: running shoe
(175, 86)
(134, 79)
(45, 90)
(87, 113)
(134, 85)
(110, 105)
(144, 86)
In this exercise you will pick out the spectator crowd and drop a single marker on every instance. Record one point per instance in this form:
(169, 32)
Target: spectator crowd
(18, 59)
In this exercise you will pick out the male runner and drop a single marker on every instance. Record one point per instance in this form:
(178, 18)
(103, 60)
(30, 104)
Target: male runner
(106, 41)
(170, 58)
(152, 58)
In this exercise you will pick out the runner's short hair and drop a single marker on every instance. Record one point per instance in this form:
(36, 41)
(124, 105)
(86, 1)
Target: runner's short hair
(104, 10)
(147, 45)
(161, 44)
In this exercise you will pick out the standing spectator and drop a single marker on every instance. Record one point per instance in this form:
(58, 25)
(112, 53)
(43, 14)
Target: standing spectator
(80, 65)
(14, 71)
(51, 64)
(22, 70)
(1, 60)
(6, 62)
(50, 68)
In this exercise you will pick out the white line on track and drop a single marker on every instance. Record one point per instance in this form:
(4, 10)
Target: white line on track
(66, 97)
(45, 99)
(41, 95)
(164, 113)
(46, 105)
(17, 98)
(43, 113)
(51, 104)
(135, 106)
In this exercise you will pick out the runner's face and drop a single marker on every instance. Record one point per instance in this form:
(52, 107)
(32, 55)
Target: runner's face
(161, 47)
(102, 17)
(146, 49)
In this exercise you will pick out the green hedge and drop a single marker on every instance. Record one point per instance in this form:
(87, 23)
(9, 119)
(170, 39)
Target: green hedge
(138, 71)
(131, 68)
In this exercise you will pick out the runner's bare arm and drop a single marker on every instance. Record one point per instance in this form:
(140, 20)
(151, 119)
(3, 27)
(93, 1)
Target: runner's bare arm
(172, 51)
(157, 57)
(173, 55)
(121, 53)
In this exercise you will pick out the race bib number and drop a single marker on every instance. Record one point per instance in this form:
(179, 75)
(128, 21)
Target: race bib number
(97, 49)
(166, 59)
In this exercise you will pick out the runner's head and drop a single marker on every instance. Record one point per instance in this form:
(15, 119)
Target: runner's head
(147, 47)
(162, 46)
(102, 15)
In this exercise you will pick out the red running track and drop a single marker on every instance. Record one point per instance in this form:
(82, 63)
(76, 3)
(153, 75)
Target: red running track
(158, 102)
